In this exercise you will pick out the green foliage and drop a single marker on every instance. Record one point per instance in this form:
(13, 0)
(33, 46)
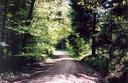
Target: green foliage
(110, 30)
(13, 14)
(37, 36)
(77, 46)
(99, 63)
(50, 24)
(53, 21)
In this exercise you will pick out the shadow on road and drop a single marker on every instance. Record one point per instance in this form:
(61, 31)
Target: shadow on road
(59, 69)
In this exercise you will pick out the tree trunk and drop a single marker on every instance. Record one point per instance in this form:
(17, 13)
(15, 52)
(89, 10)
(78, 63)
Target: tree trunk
(30, 13)
(3, 11)
(93, 45)
(93, 36)
(29, 18)
(4, 20)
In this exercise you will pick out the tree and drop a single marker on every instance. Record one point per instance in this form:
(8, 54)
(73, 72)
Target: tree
(108, 28)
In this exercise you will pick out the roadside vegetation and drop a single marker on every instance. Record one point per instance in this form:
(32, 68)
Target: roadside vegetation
(95, 32)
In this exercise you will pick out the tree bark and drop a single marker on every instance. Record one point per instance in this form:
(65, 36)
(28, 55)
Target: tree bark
(29, 17)
(4, 19)
(3, 12)
(93, 36)
(28, 21)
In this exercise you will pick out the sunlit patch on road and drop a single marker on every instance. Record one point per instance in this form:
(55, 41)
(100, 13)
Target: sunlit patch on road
(59, 52)
(67, 78)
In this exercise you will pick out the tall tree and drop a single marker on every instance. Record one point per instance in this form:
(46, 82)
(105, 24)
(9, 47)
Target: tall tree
(29, 17)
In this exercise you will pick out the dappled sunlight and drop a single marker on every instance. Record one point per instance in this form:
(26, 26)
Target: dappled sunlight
(63, 41)
(60, 69)
(59, 52)
(66, 78)
(56, 60)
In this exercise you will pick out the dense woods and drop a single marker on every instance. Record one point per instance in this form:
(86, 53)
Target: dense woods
(95, 32)
(105, 24)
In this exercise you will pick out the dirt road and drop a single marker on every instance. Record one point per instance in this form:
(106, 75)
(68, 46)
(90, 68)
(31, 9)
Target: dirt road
(60, 69)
